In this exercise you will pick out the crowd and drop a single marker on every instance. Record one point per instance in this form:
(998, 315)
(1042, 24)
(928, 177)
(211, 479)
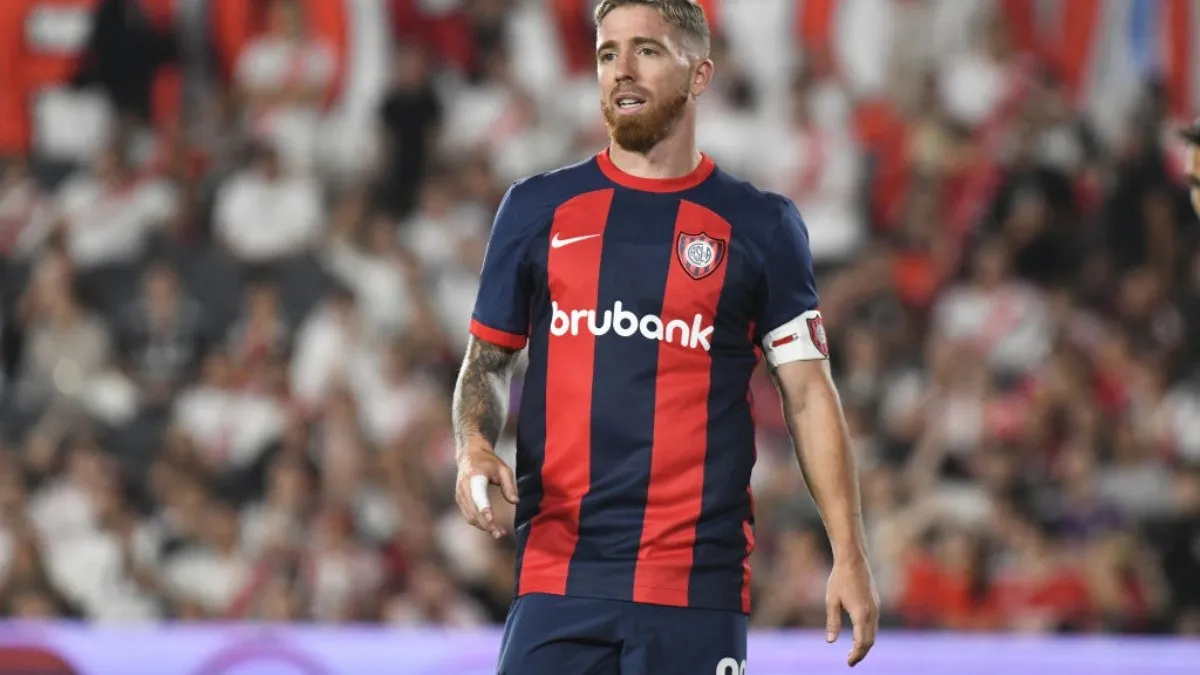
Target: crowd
(227, 367)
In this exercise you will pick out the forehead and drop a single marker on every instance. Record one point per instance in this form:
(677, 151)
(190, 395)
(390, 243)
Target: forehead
(634, 21)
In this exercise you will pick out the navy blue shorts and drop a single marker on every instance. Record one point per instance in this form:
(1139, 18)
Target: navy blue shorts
(556, 635)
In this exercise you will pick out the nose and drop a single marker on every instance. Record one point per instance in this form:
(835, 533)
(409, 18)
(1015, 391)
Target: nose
(624, 67)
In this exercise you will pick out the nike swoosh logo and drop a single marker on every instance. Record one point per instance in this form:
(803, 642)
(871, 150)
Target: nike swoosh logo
(559, 243)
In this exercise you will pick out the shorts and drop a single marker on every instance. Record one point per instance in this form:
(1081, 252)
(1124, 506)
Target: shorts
(558, 635)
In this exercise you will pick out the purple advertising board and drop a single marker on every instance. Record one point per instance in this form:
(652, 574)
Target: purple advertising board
(62, 649)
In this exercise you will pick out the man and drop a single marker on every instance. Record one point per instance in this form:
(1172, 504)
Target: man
(647, 283)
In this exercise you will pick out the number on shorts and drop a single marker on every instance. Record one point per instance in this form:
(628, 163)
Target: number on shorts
(730, 666)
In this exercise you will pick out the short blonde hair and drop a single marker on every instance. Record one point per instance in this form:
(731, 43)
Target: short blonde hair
(685, 15)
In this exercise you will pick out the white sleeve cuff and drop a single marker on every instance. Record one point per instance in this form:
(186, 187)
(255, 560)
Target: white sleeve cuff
(800, 339)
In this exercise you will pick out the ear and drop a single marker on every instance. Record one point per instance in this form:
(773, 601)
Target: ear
(702, 76)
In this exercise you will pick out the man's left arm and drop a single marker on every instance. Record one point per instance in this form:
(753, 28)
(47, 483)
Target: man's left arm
(813, 412)
(797, 355)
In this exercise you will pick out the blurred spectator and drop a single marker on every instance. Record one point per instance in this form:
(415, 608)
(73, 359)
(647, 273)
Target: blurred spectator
(1125, 583)
(1079, 510)
(230, 424)
(1001, 317)
(342, 573)
(109, 214)
(1144, 214)
(264, 216)
(975, 83)
(485, 113)
(161, 335)
(526, 141)
(392, 398)
(332, 348)
(454, 285)
(65, 348)
(436, 231)
(27, 590)
(1038, 590)
(261, 334)
(1034, 211)
(433, 600)
(814, 160)
(130, 41)
(410, 118)
(798, 598)
(211, 570)
(284, 79)
(26, 215)
(105, 566)
(365, 255)
(951, 588)
(1135, 481)
(727, 124)
(277, 523)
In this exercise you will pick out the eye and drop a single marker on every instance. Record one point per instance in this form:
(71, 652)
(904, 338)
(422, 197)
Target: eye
(648, 51)
(605, 57)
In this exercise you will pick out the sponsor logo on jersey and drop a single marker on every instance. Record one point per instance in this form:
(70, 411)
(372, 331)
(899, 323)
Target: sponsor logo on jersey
(693, 335)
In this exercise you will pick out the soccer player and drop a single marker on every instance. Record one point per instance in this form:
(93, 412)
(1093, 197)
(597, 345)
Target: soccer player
(647, 284)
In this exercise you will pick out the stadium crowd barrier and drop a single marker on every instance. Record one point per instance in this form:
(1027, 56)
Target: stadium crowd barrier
(213, 649)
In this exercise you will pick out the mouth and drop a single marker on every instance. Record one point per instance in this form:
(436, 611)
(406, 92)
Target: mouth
(629, 103)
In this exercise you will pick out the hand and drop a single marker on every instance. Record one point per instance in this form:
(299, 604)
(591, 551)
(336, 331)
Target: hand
(851, 588)
(485, 463)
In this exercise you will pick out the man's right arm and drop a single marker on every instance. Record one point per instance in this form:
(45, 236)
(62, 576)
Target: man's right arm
(480, 407)
(481, 395)
(499, 331)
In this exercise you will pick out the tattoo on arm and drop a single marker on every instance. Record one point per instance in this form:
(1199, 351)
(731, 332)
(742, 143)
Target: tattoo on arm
(481, 395)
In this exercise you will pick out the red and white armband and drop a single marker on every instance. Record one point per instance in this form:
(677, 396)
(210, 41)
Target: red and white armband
(801, 339)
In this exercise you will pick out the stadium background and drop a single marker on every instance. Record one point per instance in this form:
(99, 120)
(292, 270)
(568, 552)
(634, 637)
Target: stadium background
(241, 241)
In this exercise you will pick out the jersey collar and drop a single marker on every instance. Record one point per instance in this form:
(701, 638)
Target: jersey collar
(679, 184)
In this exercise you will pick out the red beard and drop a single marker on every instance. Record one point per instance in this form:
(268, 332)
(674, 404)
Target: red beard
(642, 131)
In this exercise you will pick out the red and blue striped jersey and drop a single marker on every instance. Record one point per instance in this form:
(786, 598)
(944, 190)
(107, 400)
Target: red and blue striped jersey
(646, 305)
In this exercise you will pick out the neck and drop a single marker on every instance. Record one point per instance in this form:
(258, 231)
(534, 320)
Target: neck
(674, 157)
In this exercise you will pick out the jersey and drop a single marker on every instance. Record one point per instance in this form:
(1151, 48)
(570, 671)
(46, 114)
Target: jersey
(646, 305)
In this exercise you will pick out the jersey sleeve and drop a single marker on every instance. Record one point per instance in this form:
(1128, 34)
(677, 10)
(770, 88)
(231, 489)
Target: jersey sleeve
(501, 314)
(789, 323)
